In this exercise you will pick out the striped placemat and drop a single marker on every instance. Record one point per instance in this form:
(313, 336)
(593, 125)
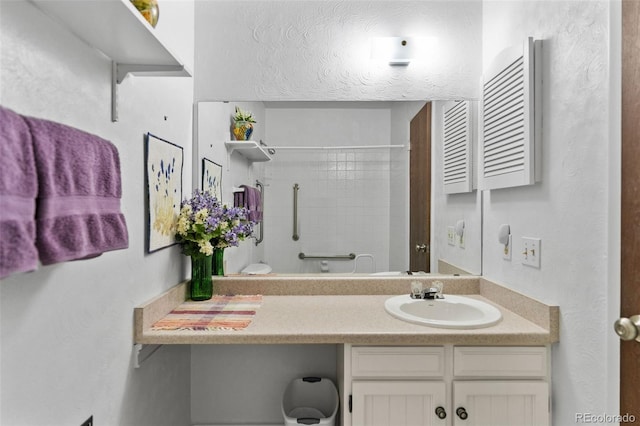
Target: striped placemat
(218, 313)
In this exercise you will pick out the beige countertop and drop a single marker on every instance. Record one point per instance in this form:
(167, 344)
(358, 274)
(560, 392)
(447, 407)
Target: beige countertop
(337, 310)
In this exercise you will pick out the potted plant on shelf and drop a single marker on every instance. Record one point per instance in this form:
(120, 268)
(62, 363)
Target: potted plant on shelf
(149, 9)
(242, 124)
(205, 227)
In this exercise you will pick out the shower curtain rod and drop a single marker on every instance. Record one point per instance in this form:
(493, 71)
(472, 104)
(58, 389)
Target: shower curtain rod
(338, 147)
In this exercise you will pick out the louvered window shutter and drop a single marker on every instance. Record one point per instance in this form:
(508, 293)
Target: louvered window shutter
(458, 147)
(511, 129)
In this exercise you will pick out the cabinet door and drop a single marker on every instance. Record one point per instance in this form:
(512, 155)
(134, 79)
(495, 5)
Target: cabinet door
(501, 403)
(397, 403)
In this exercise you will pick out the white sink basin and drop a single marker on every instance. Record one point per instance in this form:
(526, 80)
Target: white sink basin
(451, 312)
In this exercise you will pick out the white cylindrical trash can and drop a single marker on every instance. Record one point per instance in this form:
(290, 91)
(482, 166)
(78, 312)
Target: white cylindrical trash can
(310, 401)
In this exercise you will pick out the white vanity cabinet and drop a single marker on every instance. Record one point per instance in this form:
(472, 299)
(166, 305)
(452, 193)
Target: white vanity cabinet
(396, 385)
(502, 385)
(394, 402)
(444, 385)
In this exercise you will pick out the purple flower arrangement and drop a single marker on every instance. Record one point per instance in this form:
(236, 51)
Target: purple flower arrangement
(205, 224)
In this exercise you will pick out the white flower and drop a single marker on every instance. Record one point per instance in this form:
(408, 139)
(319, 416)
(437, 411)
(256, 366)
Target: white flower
(186, 210)
(201, 215)
(183, 225)
(205, 247)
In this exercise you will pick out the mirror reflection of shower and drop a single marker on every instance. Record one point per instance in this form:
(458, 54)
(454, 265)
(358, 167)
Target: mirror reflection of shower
(345, 208)
(354, 196)
(350, 161)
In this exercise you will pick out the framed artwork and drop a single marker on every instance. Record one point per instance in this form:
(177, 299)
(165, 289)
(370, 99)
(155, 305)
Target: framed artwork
(164, 191)
(212, 178)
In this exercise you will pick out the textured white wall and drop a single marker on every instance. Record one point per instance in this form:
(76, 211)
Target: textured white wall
(320, 50)
(448, 209)
(66, 329)
(570, 208)
(212, 130)
(613, 218)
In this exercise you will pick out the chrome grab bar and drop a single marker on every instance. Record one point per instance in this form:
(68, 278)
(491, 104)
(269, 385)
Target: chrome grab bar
(349, 256)
(295, 236)
(261, 188)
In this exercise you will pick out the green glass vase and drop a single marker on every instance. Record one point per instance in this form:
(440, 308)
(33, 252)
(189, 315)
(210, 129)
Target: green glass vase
(218, 262)
(201, 278)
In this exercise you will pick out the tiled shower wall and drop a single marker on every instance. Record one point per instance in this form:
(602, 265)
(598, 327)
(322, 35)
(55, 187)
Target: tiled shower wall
(343, 207)
(344, 195)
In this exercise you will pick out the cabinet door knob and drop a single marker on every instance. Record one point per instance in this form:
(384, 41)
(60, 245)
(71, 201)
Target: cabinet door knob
(441, 413)
(462, 413)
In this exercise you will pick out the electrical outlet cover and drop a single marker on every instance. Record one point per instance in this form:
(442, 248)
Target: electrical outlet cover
(451, 235)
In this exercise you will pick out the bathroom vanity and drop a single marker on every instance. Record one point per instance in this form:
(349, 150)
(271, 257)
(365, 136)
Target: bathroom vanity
(386, 367)
(443, 385)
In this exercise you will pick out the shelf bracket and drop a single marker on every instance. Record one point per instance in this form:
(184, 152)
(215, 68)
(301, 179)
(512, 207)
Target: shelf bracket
(141, 353)
(229, 152)
(114, 91)
(120, 71)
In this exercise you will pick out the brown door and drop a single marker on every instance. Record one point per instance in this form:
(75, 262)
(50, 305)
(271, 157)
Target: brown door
(420, 190)
(630, 238)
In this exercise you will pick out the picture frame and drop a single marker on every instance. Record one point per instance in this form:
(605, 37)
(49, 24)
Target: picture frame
(212, 178)
(164, 164)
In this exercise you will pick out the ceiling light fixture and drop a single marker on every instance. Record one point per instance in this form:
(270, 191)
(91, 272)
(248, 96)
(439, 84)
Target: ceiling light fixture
(399, 50)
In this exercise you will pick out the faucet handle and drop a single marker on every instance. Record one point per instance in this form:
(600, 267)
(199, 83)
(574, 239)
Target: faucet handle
(416, 290)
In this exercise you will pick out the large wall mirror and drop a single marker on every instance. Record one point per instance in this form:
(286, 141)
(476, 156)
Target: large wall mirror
(347, 168)
(341, 149)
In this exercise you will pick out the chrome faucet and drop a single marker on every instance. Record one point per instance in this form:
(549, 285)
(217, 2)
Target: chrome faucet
(430, 293)
(433, 293)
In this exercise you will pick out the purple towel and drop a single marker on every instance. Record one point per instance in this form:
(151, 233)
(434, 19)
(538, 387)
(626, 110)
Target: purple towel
(18, 189)
(253, 202)
(238, 199)
(79, 189)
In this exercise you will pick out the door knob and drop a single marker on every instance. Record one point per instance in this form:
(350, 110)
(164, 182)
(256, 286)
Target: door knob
(628, 328)
(441, 413)
(422, 248)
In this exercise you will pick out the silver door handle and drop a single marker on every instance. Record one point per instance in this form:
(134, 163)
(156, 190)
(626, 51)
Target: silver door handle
(628, 328)
(422, 248)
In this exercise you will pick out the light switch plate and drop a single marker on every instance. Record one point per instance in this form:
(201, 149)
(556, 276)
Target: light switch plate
(531, 251)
